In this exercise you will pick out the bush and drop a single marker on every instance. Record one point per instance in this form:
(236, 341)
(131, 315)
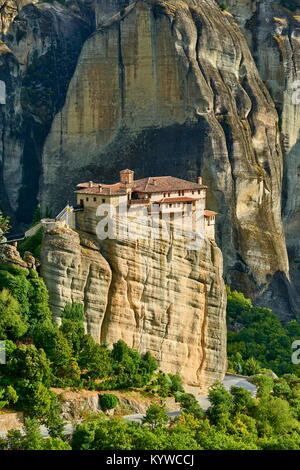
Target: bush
(108, 401)
(32, 244)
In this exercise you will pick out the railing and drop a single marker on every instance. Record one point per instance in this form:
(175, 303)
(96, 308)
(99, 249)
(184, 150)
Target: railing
(66, 215)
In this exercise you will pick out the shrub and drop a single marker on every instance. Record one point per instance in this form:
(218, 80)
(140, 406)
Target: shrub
(108, 401)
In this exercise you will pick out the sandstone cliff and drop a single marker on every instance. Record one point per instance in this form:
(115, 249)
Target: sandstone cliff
(163, 87)
(272, 30)
(156, 296)
(171, 88)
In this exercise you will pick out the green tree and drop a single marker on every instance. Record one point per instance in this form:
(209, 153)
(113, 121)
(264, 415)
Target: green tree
(32, 439)
(190, 405)
(72, 326)
(103, 434)
(130, 369)
(35, 399)
(73, 312)
(274, 414)
(222, 405)
(94, 359)
(181, 438)
(156, 416)
(55, 443)
(12, 325)
(242, 400)
(28, 362)
(53, 422)
(251, 367)
(11, 395)
(64, 365)
(38, 298)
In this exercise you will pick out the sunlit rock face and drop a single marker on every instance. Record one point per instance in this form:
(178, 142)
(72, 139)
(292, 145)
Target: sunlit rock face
(156, 295)
(9, 9)
(171, 88)
(272, 30)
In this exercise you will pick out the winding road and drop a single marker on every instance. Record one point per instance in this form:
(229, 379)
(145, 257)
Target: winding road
(229, 381)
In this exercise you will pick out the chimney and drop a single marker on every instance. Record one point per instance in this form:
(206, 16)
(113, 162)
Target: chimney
(126, 176)
(91, 184)
(199, 179)
(154, 182)
(100, 188)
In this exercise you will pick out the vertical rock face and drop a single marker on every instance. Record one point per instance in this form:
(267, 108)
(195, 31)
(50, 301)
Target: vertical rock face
(171, 88)
(44, 42)
(10, 123)
(75, 271)
(273, 33)
(157, 296)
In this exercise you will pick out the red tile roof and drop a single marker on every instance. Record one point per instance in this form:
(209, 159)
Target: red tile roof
(155, 184)
(208, 213)
(117, 189)
(158, 184)
(176, 199)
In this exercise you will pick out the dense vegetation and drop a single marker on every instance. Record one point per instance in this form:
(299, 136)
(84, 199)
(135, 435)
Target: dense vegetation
(236, 421)
(41, 355)
(257, 340)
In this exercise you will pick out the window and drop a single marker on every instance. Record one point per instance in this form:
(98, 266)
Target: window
(199, 191)
(81, 202)
(103, 201)
(87, 199)
(165, 194)
(169, 194)
(95, 199)
(193, 192)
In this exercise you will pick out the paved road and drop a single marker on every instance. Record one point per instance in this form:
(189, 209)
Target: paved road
(229, 381)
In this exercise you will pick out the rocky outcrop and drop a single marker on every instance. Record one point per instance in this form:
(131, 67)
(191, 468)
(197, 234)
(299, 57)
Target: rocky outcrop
(75, 271)
(9, 9)
(171, 88)
(157, 296)
(77, 405)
